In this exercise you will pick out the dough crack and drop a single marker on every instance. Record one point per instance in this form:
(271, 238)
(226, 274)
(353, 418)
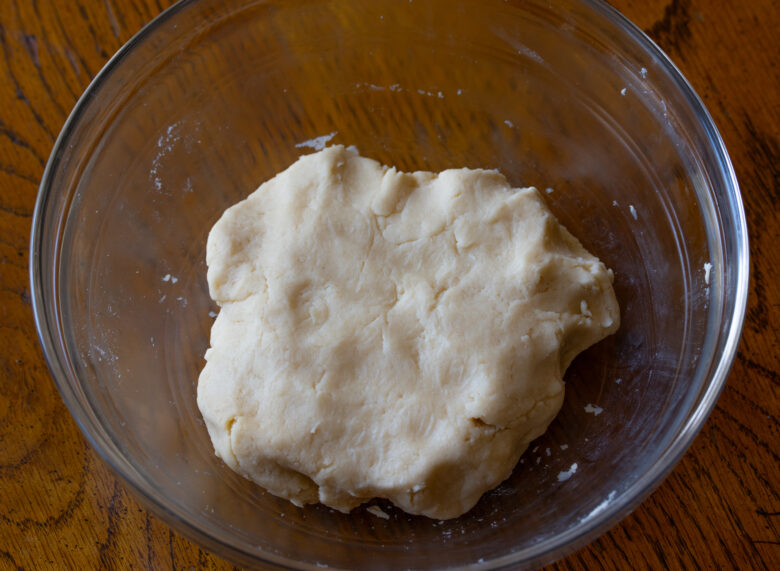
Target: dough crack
(480, 423)
(229, 428)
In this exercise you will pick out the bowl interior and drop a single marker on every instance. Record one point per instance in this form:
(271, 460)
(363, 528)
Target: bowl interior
(219, 96)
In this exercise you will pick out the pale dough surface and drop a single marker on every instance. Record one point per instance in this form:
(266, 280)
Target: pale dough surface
(389, 334)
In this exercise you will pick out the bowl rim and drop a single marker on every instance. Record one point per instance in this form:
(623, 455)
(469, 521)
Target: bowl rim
(543, 552)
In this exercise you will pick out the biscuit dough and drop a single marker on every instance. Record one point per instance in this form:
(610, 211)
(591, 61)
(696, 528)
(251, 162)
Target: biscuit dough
(389, 334)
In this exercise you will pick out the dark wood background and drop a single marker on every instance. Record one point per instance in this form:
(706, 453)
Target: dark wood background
(60, 506)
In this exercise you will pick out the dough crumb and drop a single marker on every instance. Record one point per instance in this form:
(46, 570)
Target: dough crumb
(317, 143)
(377, 511)
(595, 410)
(387, 334)
(563, 476)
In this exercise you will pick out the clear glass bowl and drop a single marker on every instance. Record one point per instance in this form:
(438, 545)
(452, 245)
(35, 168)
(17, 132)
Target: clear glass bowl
(216, 96)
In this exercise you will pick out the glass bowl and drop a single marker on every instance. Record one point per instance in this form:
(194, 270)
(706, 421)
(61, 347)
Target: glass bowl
(216, 96)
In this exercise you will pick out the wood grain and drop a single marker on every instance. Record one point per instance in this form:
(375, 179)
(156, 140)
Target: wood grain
(60, 506)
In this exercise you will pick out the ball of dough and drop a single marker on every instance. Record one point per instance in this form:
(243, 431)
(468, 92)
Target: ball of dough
(389, 334)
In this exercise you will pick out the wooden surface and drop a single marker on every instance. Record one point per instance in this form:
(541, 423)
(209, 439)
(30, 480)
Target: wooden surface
(60, 506)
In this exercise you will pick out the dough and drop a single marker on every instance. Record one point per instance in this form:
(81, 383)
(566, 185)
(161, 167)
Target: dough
(389, 334)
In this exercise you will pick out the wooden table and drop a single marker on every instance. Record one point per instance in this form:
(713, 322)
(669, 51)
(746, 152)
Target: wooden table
(60, 506)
